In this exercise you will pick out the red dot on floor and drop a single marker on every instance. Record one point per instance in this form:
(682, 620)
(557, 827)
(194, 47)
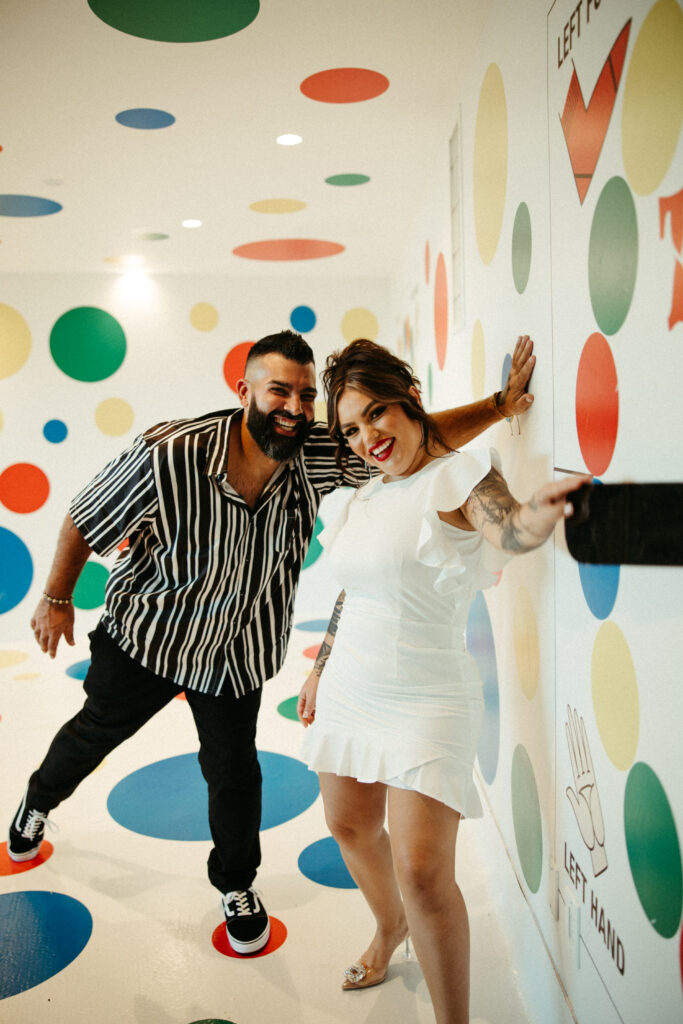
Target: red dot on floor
(312, 652)
(278, 934)
(11, 867)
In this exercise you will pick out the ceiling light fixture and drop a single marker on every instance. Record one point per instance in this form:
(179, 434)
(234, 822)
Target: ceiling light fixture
(289, 140)
(192, 223)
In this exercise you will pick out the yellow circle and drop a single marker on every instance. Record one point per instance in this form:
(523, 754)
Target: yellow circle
(114, 417)
(359, 323)
(490, 163)
(478, 361)
(8, 658)
(26, 676)
(320, 410)
(526, 642)
(204, 316)
(15, 340)
(615, 695)
(277, 205)
(652, 110)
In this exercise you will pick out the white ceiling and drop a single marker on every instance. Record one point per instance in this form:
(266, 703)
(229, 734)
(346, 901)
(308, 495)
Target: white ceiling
(66, 74)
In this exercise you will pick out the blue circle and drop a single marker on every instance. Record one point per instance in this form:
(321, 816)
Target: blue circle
(600, 584)
(27, 206)
(55, 431)
(507, 363)
(16, 570)
(41, 933)
(302, 318)
(168, 799)
(79, 669)
(480, 644)
(145, 118)
(313, 625)
(322, 862)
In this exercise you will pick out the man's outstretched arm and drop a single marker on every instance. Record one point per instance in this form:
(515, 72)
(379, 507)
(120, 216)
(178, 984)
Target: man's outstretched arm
(463, 424)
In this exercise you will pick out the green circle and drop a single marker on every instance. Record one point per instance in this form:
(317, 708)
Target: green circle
(526, 816)
(177, 21)
(89, 590)
(521, 247)
(88, 344)
(315, 549)
(613, 255)
(347, 179)
(287, 708)
(654, 852)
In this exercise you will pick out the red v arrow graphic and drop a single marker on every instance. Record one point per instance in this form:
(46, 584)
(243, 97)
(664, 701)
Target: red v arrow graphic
(585, 127)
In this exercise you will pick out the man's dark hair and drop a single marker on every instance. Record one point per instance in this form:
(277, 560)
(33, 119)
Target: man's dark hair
(288, 343)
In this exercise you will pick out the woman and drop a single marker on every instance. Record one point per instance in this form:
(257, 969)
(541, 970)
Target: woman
(396, 721)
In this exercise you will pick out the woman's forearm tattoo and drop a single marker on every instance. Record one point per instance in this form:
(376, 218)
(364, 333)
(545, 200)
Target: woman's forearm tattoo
(325, 647)
(491, 502)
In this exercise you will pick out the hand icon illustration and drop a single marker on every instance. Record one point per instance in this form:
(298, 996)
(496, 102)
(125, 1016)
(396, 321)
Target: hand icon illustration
(585, 800)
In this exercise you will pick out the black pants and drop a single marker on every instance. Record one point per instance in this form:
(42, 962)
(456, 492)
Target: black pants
(121, 696)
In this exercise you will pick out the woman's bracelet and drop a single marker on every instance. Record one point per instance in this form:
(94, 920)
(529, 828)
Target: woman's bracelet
(56, 600)
(496, 404)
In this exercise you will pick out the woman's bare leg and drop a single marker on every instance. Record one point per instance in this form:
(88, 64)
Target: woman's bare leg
(423, 833)
(355, 813)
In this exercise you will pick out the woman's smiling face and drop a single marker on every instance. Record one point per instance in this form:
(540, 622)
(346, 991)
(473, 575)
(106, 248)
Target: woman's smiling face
(381, 433)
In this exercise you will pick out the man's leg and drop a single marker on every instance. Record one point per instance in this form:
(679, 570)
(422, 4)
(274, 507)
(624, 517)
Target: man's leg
(229, 763)
(121, 696)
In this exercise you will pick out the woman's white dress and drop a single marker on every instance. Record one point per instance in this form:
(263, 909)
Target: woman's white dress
(400, 699)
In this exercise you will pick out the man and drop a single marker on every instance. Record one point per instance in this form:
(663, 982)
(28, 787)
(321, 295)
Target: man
(219, 511)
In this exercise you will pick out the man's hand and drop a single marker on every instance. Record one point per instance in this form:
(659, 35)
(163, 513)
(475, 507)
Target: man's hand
(50, 623)
(514, 398)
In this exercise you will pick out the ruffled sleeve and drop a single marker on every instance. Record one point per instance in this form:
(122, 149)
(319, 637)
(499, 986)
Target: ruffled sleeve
(454, 551)
(335, 516)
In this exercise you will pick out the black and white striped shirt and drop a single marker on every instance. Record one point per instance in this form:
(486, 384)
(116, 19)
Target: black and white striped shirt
(203, 595)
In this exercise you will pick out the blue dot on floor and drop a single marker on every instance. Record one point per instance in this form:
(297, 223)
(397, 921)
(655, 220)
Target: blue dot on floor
(55, 431)
(145, 118)
(79, 669)
(302, 318)
(27, 206)
(313, 625)
(479, 639)
(322, 862)
(16, 570)
(41, 933)
(168, 799)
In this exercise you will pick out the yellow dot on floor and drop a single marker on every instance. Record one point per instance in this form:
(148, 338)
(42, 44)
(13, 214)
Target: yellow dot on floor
(8, 658)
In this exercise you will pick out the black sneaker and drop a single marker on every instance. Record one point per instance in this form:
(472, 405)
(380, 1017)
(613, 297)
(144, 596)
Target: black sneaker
(246, 921)
(26, 832)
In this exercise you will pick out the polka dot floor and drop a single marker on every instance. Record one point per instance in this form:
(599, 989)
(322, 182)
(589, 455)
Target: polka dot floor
(116, 921)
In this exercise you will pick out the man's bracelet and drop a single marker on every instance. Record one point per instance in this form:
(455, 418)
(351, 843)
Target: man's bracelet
(496, 404)
(56, 600)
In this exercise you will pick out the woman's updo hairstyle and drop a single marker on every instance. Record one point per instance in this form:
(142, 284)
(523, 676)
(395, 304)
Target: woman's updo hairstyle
(378, 373)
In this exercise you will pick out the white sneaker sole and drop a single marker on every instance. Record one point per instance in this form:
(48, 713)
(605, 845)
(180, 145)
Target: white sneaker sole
(250, 947)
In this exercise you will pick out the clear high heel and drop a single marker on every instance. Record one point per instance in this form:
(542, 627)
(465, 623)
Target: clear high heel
(359, 975)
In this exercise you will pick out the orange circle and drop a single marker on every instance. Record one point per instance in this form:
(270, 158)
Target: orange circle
(12, 867)
(235, 361)
(278, 934)
(597, 404)
(344, 85)
(23, 487)
(441, 310)
(312, 652)
(288, 249)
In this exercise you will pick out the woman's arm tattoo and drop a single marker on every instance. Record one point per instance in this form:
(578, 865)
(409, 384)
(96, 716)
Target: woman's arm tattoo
(325, 647)
(491, 503)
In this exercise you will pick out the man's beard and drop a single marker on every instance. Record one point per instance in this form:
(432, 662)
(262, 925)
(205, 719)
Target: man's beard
(276, 446)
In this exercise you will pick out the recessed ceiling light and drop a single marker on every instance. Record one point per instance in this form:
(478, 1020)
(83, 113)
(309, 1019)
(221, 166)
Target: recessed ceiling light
(289, 140)
(192, 223)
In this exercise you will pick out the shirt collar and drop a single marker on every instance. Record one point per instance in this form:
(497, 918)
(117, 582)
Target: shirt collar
(217, 449)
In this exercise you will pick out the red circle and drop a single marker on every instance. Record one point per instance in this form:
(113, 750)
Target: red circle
(441, 310)
(12, 867)
(312, 652)
(344, 85)
(288, 249)
(597, 404)
(278, 934)
(23, 487)
(235, 361)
